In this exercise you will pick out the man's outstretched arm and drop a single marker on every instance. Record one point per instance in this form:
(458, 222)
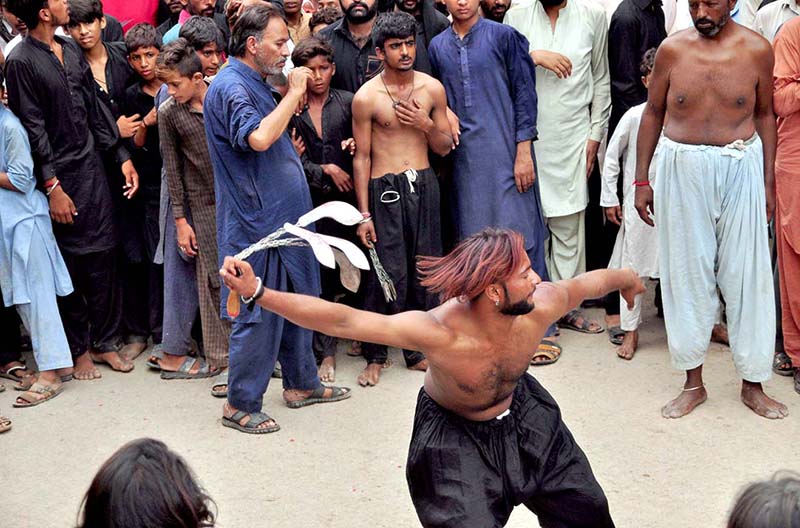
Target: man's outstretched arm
(413, 330)
(569, 294)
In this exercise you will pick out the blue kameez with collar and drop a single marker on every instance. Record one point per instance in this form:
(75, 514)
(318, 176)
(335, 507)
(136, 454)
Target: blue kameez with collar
(491, 85)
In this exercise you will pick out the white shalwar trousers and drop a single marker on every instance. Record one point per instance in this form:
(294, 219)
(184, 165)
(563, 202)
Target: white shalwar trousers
(712, 232)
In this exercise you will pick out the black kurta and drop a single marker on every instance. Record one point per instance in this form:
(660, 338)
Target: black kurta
(67, 126)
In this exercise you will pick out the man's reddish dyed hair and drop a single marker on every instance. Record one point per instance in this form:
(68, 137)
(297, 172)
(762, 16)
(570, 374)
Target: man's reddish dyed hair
(490, 256)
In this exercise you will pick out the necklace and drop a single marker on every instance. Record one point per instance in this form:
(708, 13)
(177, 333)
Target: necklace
(396, 103)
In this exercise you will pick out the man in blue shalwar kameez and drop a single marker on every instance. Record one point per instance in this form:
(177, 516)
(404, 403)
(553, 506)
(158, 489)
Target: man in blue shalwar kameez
(491, 85)
(32, 271)
(260, 185)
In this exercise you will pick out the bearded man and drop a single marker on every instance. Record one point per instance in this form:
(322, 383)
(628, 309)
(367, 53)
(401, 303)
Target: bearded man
(260, 184)
(351, 40)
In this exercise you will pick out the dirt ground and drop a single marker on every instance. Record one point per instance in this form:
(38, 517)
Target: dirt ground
(343, 465)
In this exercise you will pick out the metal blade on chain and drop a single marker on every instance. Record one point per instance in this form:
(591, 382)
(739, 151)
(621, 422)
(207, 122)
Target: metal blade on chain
(349, 275)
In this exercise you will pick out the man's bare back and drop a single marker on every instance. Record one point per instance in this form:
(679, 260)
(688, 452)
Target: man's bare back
(712, 84)
(395, 147)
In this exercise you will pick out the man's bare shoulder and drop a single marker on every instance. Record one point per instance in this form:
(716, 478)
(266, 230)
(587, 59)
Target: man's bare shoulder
(430, 84)
(367, 91)
(753, 41)
(550, 298)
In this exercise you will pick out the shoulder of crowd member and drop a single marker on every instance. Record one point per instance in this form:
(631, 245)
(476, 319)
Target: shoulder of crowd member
(345, 96)
(328, 32)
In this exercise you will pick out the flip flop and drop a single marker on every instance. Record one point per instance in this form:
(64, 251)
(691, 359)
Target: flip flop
(157, 354)
(317, 396)
(37, 388)
(778, 365)
(222, 380)
(570, 322)
(616, 334)
(547, 349)
(9, 372)
(184, 371)
(797, 381)
(5, 424)
(251, 427)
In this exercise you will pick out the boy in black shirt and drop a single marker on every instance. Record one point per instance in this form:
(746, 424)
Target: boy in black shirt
(144, 280)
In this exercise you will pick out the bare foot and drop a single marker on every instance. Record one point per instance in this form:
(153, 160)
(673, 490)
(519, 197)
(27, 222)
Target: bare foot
(629, 345)
(753, 396)
(720, 334)
(85, 369)
(685, 403)
(113, 360)
(370, 375)
(131, 351)
(422, 366)
(327, 369)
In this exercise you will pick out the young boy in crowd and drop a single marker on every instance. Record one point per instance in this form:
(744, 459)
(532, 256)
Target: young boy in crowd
(190, 175)
(108, 61)
(326, 129)
(207, 40)
(32, 271)
(636, 246)
(144, 285)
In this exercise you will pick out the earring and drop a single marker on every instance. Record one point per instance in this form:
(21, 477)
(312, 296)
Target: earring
(497, 302)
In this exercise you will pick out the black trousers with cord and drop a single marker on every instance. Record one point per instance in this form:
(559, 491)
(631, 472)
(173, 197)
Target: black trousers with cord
(405, 212)
(11, 336)
(92, 313)
(464, 473)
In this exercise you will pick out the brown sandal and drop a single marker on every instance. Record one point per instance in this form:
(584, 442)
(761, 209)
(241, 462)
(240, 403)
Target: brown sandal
(29, 398)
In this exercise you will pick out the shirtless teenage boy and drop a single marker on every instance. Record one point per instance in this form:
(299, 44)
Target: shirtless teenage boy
(714, 195)
(487, 436)
(397, 116)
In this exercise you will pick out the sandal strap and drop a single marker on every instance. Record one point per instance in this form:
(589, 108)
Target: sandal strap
(256, 418)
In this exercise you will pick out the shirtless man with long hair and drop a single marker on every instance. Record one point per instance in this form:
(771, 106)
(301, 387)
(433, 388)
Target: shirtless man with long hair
(487, 436)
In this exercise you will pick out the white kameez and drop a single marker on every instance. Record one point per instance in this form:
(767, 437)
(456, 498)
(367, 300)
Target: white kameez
(573, 110)
(712, 232)
(637, 243)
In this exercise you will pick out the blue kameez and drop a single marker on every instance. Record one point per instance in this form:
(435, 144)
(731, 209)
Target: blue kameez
(491, 85)
(32, 271)
(256, 193)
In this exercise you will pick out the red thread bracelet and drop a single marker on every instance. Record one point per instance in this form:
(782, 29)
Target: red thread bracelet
(637, 183)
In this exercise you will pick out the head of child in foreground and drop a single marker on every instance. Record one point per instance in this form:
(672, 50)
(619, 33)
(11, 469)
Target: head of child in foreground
(774, 503)
(86, 23)
(144, 45)
(180, 69)
(146, 484)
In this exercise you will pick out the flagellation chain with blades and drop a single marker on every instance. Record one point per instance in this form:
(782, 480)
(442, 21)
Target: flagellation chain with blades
(328, 250)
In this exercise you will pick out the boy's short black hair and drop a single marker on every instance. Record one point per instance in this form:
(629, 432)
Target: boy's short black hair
(326, 15)
(648, 60)
(309, 48)
(179, 56)
(201, 31)
(27, 10)
(84, 12)
(142, 35)
(396, 24)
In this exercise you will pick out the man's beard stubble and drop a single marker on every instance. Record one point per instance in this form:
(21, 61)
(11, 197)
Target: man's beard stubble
(360, 19)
